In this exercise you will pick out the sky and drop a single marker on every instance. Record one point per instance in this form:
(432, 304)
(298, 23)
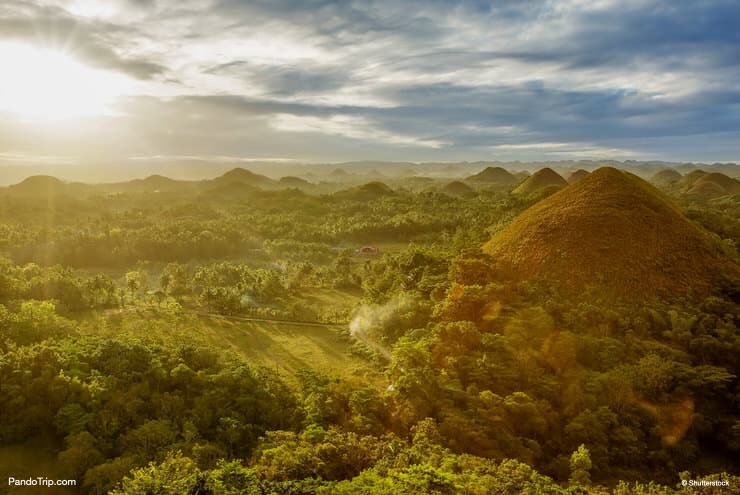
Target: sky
(325, 80)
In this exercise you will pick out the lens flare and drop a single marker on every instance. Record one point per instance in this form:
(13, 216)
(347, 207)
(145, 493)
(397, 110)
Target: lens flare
(39, 84)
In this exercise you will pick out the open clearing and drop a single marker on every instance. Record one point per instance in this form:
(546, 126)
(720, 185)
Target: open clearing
(290, 348)
(283, 346)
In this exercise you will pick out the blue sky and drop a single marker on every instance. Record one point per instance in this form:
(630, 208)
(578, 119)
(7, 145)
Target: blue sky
(323, 80)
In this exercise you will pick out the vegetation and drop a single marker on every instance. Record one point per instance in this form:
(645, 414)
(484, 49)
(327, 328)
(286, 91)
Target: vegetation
(544, 179)
(576, 176)
(616, 235)
(232, 337)
(496, 176)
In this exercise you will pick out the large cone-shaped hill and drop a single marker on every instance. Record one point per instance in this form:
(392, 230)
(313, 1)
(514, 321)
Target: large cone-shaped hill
(613, 233)
(665, 177)
(542, 179)
(689, 179)
(494, 175)
(715, 184)
(39, 184)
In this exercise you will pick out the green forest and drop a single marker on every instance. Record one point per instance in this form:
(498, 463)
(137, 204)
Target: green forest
(244, 335)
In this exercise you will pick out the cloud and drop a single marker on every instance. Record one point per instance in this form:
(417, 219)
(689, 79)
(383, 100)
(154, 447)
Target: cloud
(412, 79)
(285, 80)
(98, 43)
(348, 126)
(570, 150)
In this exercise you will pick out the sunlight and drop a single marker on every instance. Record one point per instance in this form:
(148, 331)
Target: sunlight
(48, 85)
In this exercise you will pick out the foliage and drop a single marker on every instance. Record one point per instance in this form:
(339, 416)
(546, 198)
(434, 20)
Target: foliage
(118, 318)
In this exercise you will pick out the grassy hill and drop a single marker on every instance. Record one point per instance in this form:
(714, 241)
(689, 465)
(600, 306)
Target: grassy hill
(495, 176)
(244, 176)
(366, 192)
(689, 179)
(616, 234)
(48, 186)
(542, 179)
(577, 176)
(290, 181)
(715, 184)
(666, 177)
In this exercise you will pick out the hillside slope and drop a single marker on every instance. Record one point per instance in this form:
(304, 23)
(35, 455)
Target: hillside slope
(616, 234)
(577, 176)
(716, 181)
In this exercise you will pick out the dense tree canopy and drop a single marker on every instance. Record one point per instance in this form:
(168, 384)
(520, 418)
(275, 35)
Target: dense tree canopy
(487, 385)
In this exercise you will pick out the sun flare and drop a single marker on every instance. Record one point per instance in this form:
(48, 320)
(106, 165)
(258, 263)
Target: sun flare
(48, 85)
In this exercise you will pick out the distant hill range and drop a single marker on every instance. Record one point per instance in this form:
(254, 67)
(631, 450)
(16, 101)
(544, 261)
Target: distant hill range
(615, 235)
(697, 184)
(42, 185)
(197, 169)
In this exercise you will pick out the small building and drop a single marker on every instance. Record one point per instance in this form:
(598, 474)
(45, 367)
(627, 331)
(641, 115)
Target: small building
(369, 250)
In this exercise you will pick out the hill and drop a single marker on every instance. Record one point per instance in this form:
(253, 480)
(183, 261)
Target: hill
(366, 192)
(494, 175)
(689, 179)
(615, 234)
(244, 176)
(577, 176)
(290, 181)
(48, 186)
(728, 185)
(666, 177)
(153, 183)
(39, 184)
(705, 190)
(540, 180)
(339, 173)
(156, 182)
(458, 189)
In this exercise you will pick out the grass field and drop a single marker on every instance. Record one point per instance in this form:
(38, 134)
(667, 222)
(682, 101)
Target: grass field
(283, 347)
(289, 348)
